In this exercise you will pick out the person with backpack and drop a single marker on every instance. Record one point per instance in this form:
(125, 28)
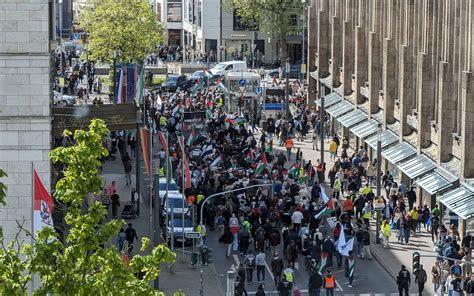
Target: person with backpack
(249, 262)
(314, 284)
(403, 281)
(275, 240)
(277, 267)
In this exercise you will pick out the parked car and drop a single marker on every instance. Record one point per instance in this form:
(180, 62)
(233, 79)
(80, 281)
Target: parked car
(175, 226)
(295, 71)
(174, 204)
(173, 82)
(63, 100)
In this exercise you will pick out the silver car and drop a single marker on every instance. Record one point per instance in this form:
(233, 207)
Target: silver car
(63, 100)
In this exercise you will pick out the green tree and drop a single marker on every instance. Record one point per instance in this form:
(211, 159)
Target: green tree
(272, 17)
(84, 265)
(129, 27)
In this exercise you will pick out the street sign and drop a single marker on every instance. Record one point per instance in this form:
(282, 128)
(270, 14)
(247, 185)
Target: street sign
(258, 90)
(242, 82)
(242, 88)
(192, 235)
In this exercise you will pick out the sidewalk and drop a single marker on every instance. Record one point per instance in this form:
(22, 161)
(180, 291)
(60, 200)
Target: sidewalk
(396, 255)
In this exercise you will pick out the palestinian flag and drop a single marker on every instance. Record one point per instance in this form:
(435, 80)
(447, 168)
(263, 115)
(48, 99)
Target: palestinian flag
(303, 180)
(322, 263)
(192, 137)
(264, 158)
(261, 166)
(196, 88)
(325, 210)
(249, 157)
(294, 169)
(220, 86)
(240, 121)
(228, 122)
(176, 110)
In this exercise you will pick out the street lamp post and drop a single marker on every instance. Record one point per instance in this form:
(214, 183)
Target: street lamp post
(212, 196)
(379, 180)
(321, 123)
(287, 89)
(61, 63)
(115, 73)
(303, 42)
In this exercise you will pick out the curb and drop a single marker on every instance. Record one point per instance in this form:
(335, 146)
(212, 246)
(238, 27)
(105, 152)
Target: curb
(379, 259)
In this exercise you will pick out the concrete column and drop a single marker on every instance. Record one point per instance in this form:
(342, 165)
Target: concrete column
(323, 43)
(360, 49)
(347, 48)
(425, 99)
(446, 110)
(312, 47)
(406, 87)
(389, 85)
(375, 56)
(467, 126)
(336, 42)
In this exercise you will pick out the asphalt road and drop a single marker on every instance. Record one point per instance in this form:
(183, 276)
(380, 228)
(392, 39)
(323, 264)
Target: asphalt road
(369, 278)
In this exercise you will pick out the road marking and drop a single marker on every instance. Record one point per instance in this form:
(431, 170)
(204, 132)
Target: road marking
(269, 271)
(236, 259)
(232, 267)
(338, 285)
(296, 265)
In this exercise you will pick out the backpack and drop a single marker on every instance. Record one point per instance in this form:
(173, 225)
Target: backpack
(251, 262)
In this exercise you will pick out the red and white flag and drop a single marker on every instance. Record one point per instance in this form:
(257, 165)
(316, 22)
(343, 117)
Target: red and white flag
(42, 207)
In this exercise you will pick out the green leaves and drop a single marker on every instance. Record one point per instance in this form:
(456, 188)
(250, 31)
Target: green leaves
(129, 27)
(87, 264)
(271, 16)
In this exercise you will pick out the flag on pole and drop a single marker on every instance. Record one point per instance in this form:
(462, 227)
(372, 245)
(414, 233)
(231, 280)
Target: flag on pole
(216, 162)
(249, 157)
(343, 246)
(322, 263)
(181, 144)
(207, 151)
(43, 205)
(187, 173)
(146, 154)
(162, 139)
(192, 137)
(324, 196)
(121, 79)
(140, 86)
(195, 89)
(293, 172)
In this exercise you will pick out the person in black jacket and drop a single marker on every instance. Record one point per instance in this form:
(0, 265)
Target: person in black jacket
(403, 281)
(315, 283)
(227, 238)
(277, 267)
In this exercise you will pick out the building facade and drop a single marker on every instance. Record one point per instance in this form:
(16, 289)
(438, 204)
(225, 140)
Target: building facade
(407, 66)
(25, 121)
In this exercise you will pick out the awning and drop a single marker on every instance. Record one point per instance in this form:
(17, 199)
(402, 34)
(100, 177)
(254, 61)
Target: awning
(435, 182)
(352, 118)
(399, 152)
(365, 129)
(431, 151)
(394, 127)
(460, 201)
(453, 166)
(387, 138)
(327, 81)
(329, 100)
(339, 90)
(340, 108)
(378, 116)
(412, 138)
(417, 166)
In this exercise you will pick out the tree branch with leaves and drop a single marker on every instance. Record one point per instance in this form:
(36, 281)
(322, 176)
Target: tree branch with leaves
(128, 27)
(271, 16)
(84, 265)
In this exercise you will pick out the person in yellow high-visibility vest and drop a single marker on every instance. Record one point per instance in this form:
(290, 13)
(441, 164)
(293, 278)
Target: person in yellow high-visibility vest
(202, 231)
(385, 233)
(200, 198)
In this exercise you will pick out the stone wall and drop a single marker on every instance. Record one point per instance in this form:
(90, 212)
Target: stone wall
(25, 121)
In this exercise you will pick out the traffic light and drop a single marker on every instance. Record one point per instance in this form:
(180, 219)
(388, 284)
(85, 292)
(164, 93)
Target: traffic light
(206, 255)
(416, 262)
(194, 258)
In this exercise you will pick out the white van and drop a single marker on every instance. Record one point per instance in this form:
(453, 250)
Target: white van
(232, 66)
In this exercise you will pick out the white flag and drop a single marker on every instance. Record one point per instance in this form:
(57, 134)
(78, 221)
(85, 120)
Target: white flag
(324, 196)
(344, 247)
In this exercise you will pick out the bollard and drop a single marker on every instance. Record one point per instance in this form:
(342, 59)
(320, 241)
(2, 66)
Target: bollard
(230, 283)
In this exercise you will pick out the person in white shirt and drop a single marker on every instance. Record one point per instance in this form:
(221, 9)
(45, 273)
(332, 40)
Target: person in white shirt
(296, 219)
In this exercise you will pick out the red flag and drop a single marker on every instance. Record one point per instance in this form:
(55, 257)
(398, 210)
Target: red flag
(43, 205)
(163, 142)
(181, 143)
(264, 158)
(146, 153)
(187, 173)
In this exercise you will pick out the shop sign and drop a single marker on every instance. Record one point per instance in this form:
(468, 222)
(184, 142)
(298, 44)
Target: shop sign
(117, 117)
